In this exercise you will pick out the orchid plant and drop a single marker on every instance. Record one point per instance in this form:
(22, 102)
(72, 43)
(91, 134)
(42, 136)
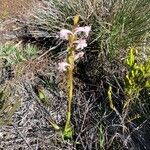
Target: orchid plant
(76, 41)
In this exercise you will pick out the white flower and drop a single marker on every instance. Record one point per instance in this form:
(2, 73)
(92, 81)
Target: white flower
(78, 55)
(64, 34)
(81, 43)
(85, 29)
(63, 66)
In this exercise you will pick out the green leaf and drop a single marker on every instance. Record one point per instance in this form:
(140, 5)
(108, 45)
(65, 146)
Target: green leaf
(42, 97)
(102, 137)
(110, 98)
(68, 133)
(131, 58)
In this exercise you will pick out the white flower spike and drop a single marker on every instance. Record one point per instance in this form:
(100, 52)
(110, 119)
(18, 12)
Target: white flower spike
(85, 29)
(64, 34)
(63, 66)
(81, 44)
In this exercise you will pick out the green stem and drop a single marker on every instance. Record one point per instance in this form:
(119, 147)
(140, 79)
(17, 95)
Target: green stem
(70, 61)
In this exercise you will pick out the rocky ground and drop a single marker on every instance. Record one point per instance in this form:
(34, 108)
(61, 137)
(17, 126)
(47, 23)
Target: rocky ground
(14, 8)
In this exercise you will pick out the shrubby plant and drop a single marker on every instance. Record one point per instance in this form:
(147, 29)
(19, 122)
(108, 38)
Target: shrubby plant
(12, 54)
(136, 80)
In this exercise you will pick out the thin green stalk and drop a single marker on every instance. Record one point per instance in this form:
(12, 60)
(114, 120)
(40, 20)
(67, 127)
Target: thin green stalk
(70, 60)
(70, 83)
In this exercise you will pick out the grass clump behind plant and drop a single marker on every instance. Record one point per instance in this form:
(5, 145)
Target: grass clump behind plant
(130, 24)
(116, 23)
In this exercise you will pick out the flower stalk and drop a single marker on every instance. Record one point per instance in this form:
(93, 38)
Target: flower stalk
(76, 41)
(68, 132)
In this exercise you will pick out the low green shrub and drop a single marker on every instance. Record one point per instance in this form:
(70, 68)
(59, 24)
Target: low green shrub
(12, 54)
(130, 111)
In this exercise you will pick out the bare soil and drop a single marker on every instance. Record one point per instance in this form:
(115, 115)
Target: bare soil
(12, 8)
